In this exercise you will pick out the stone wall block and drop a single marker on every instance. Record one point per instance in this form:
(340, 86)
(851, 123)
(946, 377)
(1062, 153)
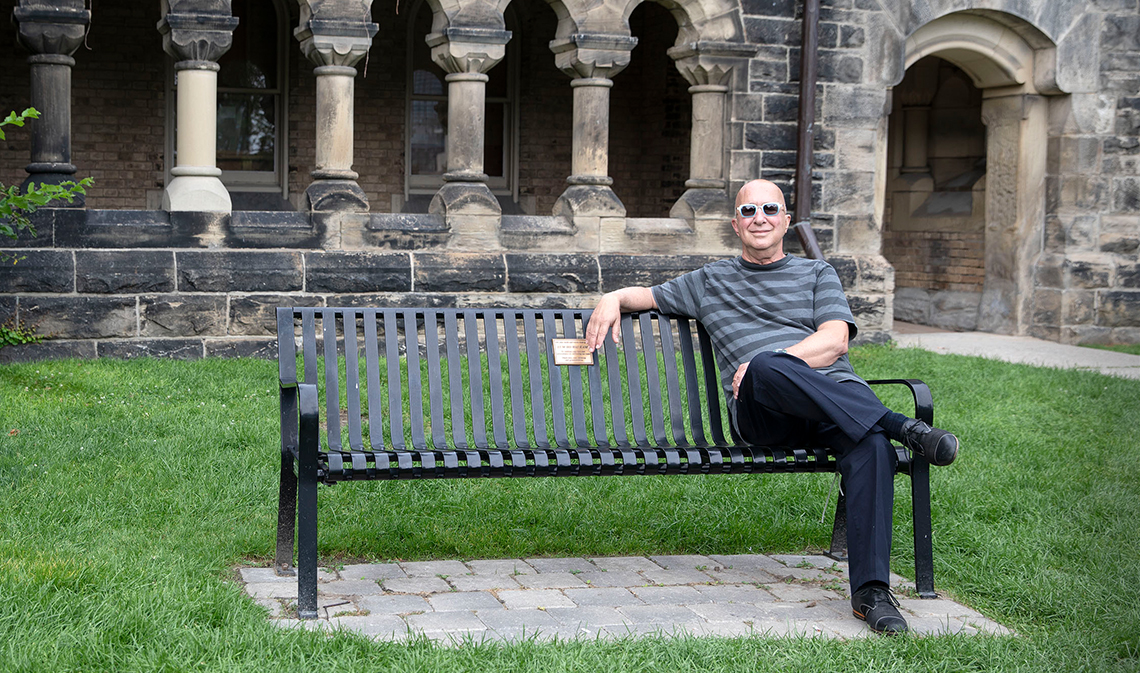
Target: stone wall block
(1079, 154)
(37, 271)
(265, 349)
(1117, 308)
(1081, 232)
(856, 150)
(180, 315)
(1126, 195)
(748, 107)
(912, 304)
(847, 268)
(869, 311)
(1120, 244)
(43, 221)
(850, 192)
(460, 272)
(1119, 224)
(1087, 274)
(764, 71)
(861, 107)
(1128, 275)
(1078, 307)
(80, 317)
(782, 32)
(851, 37)
(116, 229)
(777, 8)
(48, 350)
(765, 136)
(623, 270)
(1047, 307)
(256, 314)
(124, 271)
(552, 273)
(400, 300)
(1054, 234)
(1085, 192)
(1050, 271)
(357, 272)
(174, 349)
(228, 271)
(781, 107)
(875, 274)
(1086, 335)
(839, 67)
(955, 310)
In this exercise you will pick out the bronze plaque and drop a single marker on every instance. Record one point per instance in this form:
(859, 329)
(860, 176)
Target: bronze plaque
(572, 352)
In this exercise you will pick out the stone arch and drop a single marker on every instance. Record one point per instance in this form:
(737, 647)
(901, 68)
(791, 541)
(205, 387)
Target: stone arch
(698, 20)
(1013, 63)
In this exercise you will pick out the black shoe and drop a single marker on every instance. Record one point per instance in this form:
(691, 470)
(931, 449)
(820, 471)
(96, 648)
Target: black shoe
(877, 606)
(938, 447)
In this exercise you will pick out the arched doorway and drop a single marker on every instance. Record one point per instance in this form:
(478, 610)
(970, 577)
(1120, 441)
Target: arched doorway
(934, 219)
(1008, 195)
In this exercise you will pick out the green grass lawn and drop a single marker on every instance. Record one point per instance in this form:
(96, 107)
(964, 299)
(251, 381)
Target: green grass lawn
(130, 490)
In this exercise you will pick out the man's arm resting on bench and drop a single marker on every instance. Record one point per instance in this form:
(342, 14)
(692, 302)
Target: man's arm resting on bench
(606, 318)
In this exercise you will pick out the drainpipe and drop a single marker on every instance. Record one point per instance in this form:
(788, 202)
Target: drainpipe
(809, 62)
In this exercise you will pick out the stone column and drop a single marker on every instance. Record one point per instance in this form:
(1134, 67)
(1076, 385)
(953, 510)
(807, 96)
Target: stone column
(708, 68)
(465, 201)
(52, 31)
(592, 59)
(1016, 127)
(196, 33)
(335, 39)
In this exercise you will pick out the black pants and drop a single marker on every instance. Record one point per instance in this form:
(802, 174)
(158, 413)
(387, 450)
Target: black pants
(783, 401)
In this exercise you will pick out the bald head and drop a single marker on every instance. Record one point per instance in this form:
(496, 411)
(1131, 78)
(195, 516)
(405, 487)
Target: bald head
(760, 191)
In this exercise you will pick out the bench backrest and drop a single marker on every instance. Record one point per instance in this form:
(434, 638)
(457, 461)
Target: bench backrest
(416, 379)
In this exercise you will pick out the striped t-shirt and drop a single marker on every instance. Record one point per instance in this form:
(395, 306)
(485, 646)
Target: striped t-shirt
(752, 308)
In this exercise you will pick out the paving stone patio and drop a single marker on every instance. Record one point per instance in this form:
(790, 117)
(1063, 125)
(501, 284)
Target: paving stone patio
(567, 598)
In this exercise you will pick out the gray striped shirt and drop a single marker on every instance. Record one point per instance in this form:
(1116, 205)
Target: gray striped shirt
(751, 308)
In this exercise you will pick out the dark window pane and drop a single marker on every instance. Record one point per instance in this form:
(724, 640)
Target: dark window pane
(427, 78)
(429, 137)
(251, 63)
(495, 136)
(246, 132)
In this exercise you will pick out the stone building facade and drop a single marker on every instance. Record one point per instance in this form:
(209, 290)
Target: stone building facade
(975, 165)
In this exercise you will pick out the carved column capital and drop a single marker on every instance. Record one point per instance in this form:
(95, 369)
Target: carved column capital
(468, 50)
(592, 55)
(46, 27)
(197, 31)
(335, 32)
(710, 63)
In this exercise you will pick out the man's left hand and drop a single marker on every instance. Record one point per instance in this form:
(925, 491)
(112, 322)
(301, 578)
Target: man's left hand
(737, 378)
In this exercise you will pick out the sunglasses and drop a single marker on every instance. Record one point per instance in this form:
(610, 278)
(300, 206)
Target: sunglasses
(750, 209)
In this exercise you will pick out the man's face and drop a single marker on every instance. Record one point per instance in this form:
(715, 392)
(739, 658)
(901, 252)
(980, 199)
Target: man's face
(761, 235)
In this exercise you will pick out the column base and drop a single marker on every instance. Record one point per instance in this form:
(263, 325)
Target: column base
(465, 198)
(78, 201)
(342, 196)
(702, 203)
(471, 213)
(199, 193)
(589, 201)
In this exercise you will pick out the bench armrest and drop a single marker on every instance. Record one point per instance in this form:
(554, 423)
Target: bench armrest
(923, 400)
(286, 349)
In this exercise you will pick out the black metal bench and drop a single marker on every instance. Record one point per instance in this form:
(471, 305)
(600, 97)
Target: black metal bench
(654, 407)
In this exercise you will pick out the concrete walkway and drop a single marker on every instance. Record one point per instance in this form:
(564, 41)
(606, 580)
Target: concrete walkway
(1020, 349)
(577, 598)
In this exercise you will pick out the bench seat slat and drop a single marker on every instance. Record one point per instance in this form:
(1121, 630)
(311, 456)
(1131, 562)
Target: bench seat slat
(475, 379)
(435, 379)
(372, 380)
(495, 376)
(514, 366)
(574, 374)
(554, 374)
(597, 409)
(415, 387)
(332, 401)
(534, 359)
(454, 381)
(632, 379)
(352, 380)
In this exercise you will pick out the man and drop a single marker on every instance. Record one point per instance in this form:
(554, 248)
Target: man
(780, 326)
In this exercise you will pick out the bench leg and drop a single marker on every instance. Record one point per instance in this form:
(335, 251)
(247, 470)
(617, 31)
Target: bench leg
(923, 546)
(286, 516)
(307, 538)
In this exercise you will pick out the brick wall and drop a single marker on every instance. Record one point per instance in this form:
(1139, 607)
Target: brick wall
(937, 260)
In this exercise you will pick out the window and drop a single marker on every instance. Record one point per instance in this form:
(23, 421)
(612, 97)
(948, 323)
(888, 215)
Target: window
(426, 137)
(251, 110)
(251, 121)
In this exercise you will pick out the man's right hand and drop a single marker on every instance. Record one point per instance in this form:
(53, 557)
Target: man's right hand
(606, 319)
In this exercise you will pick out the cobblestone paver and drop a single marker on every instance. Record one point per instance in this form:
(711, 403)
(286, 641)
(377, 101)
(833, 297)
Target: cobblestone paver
(506, 600)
